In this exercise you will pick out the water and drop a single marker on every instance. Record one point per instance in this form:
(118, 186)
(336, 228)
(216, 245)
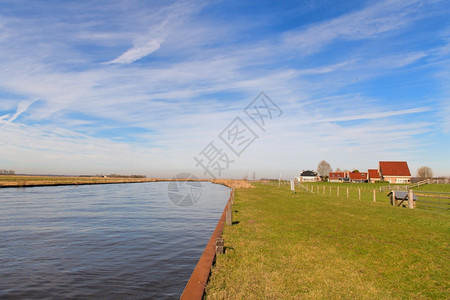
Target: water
(102, 241)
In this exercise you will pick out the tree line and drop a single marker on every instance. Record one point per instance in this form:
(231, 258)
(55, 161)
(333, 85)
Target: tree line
(7, 172)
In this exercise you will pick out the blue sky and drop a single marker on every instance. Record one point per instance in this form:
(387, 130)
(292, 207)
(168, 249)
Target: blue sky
(142, 87)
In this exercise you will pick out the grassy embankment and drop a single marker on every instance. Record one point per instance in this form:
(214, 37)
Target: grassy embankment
(305, 245)
(16, 180)
(24, 181)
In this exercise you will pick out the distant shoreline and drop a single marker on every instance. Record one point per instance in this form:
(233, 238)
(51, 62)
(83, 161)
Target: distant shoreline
(23, 181)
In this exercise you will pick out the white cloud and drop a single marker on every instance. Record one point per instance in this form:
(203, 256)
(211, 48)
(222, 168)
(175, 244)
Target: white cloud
(21, 108)
(377, 115)
(137, 52)
(184, 102)
(381, 18)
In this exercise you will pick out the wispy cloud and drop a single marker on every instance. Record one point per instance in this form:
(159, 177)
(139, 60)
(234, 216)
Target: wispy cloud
(373, 21)
(21, 108)
(137, 52)
(378, 115)
(98, 92)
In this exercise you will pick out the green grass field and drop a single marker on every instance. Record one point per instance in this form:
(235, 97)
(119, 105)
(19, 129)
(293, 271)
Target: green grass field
(317, 246)
(434, 188)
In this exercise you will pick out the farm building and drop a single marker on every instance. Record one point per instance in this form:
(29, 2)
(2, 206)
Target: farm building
(309, 176)
(394, 171)
(358, 177)
(355, 177)
(336, 176)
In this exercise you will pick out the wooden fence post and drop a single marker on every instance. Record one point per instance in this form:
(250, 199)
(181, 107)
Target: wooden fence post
(229, 216)
(219, 246)
(374, 195)
(393, 200)
(359, 193)
(330, 190)
(338, 191)
(411, 199)
(347, 192)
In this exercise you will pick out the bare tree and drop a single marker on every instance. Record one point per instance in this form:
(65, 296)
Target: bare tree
(254, 176)
(424, 172)
(338, 169)
(323, 169)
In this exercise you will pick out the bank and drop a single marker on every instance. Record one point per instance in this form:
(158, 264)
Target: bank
(304, 245)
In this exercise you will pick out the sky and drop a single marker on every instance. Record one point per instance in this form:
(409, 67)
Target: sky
(223, 88)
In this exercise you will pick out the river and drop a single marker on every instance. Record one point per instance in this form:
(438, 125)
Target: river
(110, 241)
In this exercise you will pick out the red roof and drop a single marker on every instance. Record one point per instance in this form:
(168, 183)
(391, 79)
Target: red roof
(358, 175)
(373, 173)
(394, 168)
(336, 175)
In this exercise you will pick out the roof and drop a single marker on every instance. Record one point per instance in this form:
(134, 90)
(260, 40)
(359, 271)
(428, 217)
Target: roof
(394, 168)
(308, 173)
(373, 173)
(336, 175)
(358, 175)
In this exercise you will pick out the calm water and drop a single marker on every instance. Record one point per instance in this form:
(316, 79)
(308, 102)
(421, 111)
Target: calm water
(102, 241)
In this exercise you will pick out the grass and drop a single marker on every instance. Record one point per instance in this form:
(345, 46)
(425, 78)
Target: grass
(445, 188)
(304, 245)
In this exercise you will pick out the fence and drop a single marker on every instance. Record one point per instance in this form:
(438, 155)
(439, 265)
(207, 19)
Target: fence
(347, 191)
(432, 200)
(405, 187)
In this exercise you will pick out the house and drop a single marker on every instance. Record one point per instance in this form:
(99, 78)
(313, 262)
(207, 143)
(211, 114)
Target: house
(336, 176)
(309, 176)
(374, 176)
(394, 171)
(358, 177)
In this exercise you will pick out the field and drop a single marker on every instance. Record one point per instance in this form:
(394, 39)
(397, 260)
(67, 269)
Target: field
(305, 245)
